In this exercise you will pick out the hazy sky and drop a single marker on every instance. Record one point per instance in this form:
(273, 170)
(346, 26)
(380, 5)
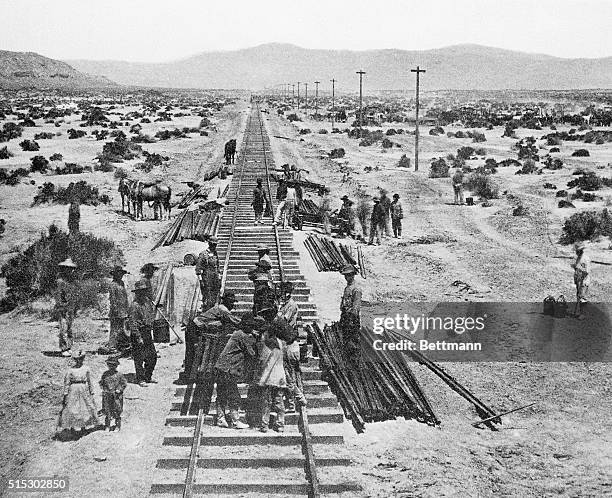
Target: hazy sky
(154, 30)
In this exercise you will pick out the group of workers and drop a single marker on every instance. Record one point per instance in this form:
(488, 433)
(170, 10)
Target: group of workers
(259, 348)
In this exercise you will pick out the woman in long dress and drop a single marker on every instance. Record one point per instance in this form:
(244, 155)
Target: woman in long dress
(79, 408)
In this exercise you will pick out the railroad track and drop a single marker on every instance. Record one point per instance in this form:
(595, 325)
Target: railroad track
(308, 458)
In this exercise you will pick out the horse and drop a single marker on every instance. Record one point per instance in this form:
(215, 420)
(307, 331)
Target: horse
(156, 194)
(230, 152)
(125, 191)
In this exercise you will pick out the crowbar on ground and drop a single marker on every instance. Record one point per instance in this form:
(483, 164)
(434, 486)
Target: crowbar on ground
(490, 419)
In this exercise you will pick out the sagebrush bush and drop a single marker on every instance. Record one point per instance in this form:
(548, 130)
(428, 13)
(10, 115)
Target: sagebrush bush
(39, 164)
(581, 153)
(439, 169)
(337, 153)
(586, 225)
(81, 191)
(56, 157)
(5, 153)
(482, 185)
(29, 146)
(33, 272)
(120, 173)
(404, 162)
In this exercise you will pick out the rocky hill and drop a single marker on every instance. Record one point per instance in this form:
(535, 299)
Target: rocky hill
(30, 70)
(455, 67)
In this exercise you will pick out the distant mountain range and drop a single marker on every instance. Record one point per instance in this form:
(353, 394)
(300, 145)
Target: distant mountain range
(456, 67)
(30, 70)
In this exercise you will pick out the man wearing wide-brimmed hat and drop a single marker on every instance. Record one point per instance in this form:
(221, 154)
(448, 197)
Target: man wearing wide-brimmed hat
(141, 316)
(582, 277)
(350, 306)
(218, 320)
(118, 312)
(377, 221)
(66, 303)
(207, 270)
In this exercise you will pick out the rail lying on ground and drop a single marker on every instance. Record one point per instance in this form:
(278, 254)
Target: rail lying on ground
(306, 459)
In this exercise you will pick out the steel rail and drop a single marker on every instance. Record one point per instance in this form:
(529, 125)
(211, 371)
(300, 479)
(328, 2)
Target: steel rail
(195, 445)
(310, 466)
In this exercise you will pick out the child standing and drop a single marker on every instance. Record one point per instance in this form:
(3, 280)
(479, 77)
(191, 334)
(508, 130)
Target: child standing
(113, 384)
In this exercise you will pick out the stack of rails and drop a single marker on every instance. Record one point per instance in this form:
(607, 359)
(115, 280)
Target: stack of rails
(375, 388)
(192, 223)
(331, 256)
(197, 192)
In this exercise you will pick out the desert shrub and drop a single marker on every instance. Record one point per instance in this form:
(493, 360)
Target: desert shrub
(44, 136)
(27, 122)
(590, 181)
(581, 153)
(103, 165)
(168, 134)
(135, 128)
(100, 134)
(145, 120)
(480, 152)
(94, 116)
(323, 131)
(438, 130)
(482, 185)
(465, 153)
(117, 134)
(586, 225)
(478, 137)
(305, 131)
(205, 122)
(386, 143)
(509, 162)
(554, 149)
(9, 131)
(120, 173)
(509, 130)
(14, 177)
(118, 150)
(337, 153)
(529, 167)
(81, 191)
(203, 133)
(460, 134)
(29, 146)
(553, 164)
(491, 165)
(39, 164)
(550, 186)
(69, 169)
(390, 132)
(74, 134)
(553, 140)
(439, 169)
(564, 203)
(5, 154)
(520, 210)
(56, 157)
(404, 162)
(561, 193)
(293, 117)
(146, 139)
(33, 272)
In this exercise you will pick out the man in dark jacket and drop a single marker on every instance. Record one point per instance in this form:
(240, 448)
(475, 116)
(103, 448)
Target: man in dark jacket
(233, 366)
(377, 221)
(141, 318)
(118, 313)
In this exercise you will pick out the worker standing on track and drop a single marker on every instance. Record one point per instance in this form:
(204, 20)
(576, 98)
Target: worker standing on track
(458, 187)
(207, 269)
(218, 320)
(141, 318)
(235, 365)
(260, 200)
(66, 300)
(288, 312)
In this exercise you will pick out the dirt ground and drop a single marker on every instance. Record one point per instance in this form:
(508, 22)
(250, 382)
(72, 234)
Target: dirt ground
(31, 375)
(559, 447)
(562, 446)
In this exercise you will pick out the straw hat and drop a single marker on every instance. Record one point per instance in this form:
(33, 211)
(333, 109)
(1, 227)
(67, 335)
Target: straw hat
(118, 269)
(348, 270)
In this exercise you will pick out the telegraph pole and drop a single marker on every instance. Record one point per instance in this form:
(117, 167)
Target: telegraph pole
(306, 98)
(317, 98)
(292, 95)
(418, 71)
(298, 96)
(360, 73)
(333, 82)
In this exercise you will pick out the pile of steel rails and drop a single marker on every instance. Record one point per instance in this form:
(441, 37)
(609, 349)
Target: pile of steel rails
(330, 255)
(371, 387)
